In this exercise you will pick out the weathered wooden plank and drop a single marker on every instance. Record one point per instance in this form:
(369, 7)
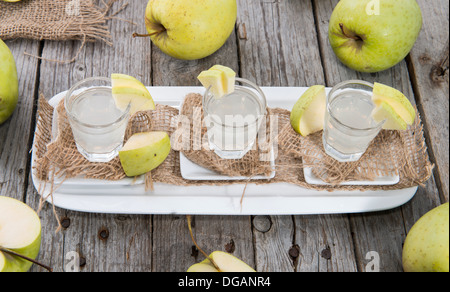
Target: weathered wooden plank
(430, 77)
(105, 242)
(278, 46)
(382, 232)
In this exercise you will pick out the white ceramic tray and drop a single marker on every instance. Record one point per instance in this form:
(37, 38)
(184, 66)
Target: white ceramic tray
(130, 197)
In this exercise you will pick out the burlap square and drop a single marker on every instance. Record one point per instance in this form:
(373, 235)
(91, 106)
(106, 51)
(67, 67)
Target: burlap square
(55, 20)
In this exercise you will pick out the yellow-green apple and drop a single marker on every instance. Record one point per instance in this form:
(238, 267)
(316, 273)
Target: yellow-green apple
(426, 246)
(225, 263)
(374, 35)
(144, 152)
(190, 30)
(9, 84)
(20, 232)
(128, 90)
(308, 113)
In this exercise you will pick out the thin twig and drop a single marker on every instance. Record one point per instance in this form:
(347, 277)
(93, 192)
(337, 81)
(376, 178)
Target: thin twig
(10, 252)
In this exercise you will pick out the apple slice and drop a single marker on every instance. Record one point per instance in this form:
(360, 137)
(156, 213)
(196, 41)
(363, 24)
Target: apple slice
(308, 113)
(127, 89)
(144, 152)
(225, 262)
(392, 120)
(392, 106)
(228, 77)
(220, 79)
(20, 232)
(204, 267)
(229, 263)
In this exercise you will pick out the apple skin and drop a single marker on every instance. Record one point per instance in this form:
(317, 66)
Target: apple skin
(190, 30)
(9, 84)
(387, 38)
(426, 247)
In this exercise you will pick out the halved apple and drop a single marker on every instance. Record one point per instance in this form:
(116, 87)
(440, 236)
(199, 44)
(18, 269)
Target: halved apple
(128, 90)
(144, 152)
(20, 232)
(308, 113)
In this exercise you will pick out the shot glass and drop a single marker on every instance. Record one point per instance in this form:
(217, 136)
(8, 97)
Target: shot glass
(98, 126)
(233, 121)
(349, 127)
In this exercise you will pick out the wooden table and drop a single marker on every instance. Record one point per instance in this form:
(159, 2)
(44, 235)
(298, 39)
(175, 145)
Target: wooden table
(276, 43)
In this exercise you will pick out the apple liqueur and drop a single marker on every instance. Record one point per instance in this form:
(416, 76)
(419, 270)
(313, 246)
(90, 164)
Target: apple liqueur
(349, 126)
(234, 120)
(94, 108)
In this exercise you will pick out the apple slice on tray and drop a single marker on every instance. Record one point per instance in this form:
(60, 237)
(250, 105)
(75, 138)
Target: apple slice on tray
(144, 152)
(308, 113)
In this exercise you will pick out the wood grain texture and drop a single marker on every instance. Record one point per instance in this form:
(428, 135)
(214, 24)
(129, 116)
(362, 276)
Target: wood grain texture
(430, 77)
(276, 43)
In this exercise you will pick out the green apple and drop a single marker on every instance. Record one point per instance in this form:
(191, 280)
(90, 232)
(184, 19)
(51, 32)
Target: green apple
(9, 84)
(128, 90)
(308, 113)
(190, 30)
(426, 247)
(144, 152)
(225, 263)
(374, 35)
(20, 232)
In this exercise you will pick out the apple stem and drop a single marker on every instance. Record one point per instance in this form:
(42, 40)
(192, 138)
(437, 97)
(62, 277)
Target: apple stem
(146, 35)
(189, 220)
(10, 252)
(349, 34)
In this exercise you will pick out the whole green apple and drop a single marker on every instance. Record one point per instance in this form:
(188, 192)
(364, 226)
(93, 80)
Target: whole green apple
(190, 30)
(374, 35)
(20, 232)
(9, 84)
(426, 247)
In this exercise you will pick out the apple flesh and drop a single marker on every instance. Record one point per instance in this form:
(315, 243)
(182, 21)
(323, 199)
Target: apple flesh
(225, 263)
(9, 84)
(426, 247)
(190, 30)
(20, 232)
(374, 35)
(144, 152)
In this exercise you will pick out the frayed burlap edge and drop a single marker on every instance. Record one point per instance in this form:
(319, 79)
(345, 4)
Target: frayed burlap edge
(57, 20)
